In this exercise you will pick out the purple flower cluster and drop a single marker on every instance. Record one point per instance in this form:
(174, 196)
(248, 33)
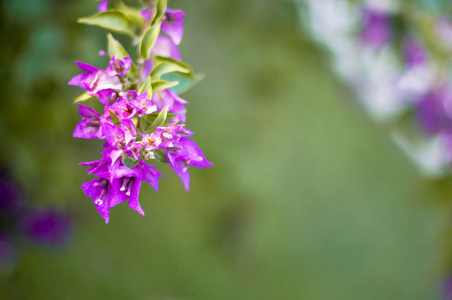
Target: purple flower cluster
(141, 122)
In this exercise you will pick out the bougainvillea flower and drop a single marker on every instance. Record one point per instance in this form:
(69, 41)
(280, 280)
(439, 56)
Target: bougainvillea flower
(376, 30)
(164, 46)
(189, 154)
(107, 97)
(124, 109)
(95, 80)
(143, 105)
(89, 126)
(46, 226)
(119, 66)
(116, 137)
(133, 110)
(173, 25)
(103, 193)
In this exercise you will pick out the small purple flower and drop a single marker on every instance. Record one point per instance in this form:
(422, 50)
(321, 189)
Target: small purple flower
(107, 97)
(164, 46)
(46, 226)
(376, 28)
(151, 142)
(95, 80)
(124, 109)
(189, 154)
(90, 125)
(143, 105)
(102, 6)
(173, 25)
(119, 137)
(103, 194)
(119, 66)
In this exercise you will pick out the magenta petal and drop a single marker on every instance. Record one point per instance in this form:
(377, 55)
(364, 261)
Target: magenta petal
(102, 6)
(107, 97)
(147, 68)
(182, 171)
(80, 80)
(102, 193)
(150, 174)
(87, 112)
(173, 25)
(85, 132)
(87, 68)
(164, 46)
(134, 194)
(147, 14)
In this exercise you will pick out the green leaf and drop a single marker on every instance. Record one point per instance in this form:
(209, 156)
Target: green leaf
(83, 97)
(129, 161)
(186, 82)
(151, 117)
(115, 48)
(114, 118)
(160, 155)
(148, 40)
(111, 20)
(168, 67)
(160, 11)
(161, 85)
(147, 86)
(132, 13)
(155, 119)
(187, 69)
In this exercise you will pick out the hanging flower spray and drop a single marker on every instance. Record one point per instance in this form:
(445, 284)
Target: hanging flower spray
(143, 121)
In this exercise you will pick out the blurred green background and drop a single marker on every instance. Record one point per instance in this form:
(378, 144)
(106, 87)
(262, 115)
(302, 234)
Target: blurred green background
(307, 198)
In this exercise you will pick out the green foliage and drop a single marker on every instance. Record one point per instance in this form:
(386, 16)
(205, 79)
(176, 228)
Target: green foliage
(160, 11)
(162, 68)
(148, 40)
(156, 119)
(111, 20)
(114, 118)
(160, 155)
(147, 86)
(83, 97)
(129, 161)
(162, 84)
